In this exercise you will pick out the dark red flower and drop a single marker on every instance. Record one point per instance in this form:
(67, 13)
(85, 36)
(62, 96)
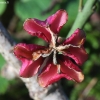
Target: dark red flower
(57, 60)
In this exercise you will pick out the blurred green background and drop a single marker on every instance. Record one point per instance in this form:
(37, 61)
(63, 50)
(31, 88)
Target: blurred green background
(14, 12)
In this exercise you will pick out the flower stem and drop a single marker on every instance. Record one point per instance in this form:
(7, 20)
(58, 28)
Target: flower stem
(83, 16)
(80, 5)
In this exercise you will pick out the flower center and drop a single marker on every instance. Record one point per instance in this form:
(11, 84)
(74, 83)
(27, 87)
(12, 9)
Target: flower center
(53, 49)
(57, 49)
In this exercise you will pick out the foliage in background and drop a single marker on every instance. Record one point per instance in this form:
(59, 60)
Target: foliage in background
(3, 82)
(32, 9)
(3, 85)
(2, 62)
(2, 6)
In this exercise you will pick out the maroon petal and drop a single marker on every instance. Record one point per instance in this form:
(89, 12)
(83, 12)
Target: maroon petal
(23, 50)
(68, 70)
(35, 27)
(77, 38)
(57, 20)
(48, 75)
(76, 53)
(79, 55)
(41, 23)
(71, 70)
(29, 67)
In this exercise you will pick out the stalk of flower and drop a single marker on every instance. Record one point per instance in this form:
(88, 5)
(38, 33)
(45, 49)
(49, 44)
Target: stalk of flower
(62, 58)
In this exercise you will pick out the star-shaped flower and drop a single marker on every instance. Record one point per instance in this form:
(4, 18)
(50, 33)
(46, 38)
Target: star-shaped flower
(60, 59)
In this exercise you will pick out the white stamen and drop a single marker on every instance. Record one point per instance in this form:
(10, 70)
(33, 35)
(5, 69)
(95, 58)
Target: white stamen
(59, 48)
(53, 38)
(70, 45)
(46, 55)
(58, 69)
(54, 58)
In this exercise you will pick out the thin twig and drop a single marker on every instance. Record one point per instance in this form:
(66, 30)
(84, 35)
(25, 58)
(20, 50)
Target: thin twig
(88, 88)
(80, 5)
(83, 16)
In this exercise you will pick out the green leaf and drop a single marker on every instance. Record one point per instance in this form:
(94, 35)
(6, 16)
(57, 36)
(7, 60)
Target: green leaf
(88, 27)
(87, 66)
(72, 9)
(3, 85)
(3, 5)
(32, 8)
(93, 40)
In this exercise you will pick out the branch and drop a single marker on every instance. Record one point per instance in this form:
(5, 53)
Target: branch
(53, 92)
(83, 16)
(8, 72)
